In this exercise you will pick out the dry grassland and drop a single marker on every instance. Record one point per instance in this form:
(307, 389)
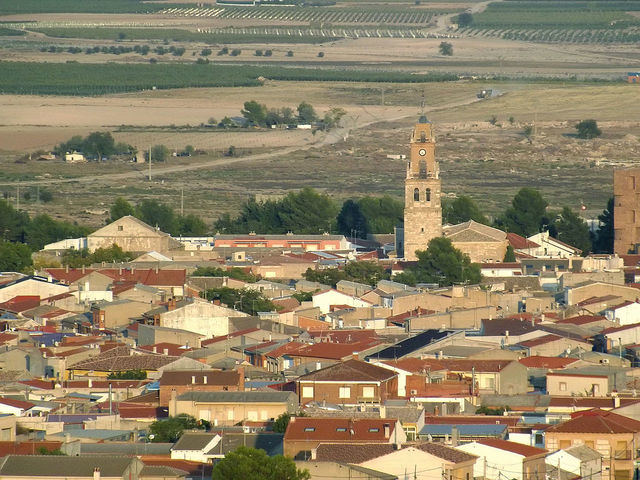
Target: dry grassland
(489, 162)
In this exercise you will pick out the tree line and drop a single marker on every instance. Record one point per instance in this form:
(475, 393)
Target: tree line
(160, 215)
(257, 114)
(21, 235)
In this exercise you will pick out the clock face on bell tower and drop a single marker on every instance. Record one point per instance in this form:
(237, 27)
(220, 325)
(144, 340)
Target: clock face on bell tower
(422, 207)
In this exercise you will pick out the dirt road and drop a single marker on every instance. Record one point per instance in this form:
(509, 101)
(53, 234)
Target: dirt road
(329, 138)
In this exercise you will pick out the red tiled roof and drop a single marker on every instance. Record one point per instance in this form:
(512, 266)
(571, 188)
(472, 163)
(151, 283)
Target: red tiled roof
(589, 402)
(518, 448)
(619, 329)
(417, 365)
(520, 243)
(147, 276)
(334, 351)
(411, 313)
(195, 469)
(582, 319)
(27, 448)
(53, 298)
(16, 403)
(536, 361)
(21, 303)
(351, 370)
(39, 384)
(352, 452)
(143, 411)
(630, 260)
(80, 340)
(622, 305)
(597, 421)
(594, 300)
(339, 429)
(121, 359)
(6, 337)
(284, 349)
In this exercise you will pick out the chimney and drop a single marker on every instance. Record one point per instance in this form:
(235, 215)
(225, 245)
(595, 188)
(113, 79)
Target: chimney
(83, 271)
(96, 473)
(387, 430)
(66, 268)
(455, 436)
(193, 379)
(314, 453)
(165, 351)
(204, 379)
(155, 349)
(90, 383)
(383, 411)
(171, 305)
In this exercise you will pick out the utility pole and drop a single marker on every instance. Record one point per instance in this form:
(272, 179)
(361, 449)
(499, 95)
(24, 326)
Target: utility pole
(149, 163)
(182, 202)
(18, 197)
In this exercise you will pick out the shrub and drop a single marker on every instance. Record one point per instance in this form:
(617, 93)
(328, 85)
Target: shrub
(588, 129)
(235, 52)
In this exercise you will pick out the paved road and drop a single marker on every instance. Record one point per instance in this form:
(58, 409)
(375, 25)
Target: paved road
(330, 138)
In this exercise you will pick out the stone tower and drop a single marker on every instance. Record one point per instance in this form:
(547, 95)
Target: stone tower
(422, 207)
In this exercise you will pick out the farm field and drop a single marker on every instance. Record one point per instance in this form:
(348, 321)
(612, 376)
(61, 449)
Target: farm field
(476, 156)
(559, 22)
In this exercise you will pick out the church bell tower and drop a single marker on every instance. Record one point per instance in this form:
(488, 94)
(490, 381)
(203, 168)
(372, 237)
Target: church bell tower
(422, 190)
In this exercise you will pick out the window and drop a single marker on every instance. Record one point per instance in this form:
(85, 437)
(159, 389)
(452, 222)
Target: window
(595, 388)
(368, 392)
(307, 392)
(252, 415)
(563, 386)
(309, 429)
(588, 443)
(374, 430)
(341, 429)
(264, 415)
(230, 414)
(428, 195)
(489, 382)
(565, 444)
(120, 228)
(416, 195)
(204, 415)
(345, 392)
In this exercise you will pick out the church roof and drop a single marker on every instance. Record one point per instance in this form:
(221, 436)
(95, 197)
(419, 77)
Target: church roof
(472, 231)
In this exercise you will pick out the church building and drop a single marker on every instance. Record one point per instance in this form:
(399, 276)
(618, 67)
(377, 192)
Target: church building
(422, 191)
(423, 208)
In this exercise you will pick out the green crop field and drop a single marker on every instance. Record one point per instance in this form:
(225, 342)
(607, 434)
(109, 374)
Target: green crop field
(255, 35)
(379, 15)
(99, 79)
(559, 21)
(10, 32)
(79, 6)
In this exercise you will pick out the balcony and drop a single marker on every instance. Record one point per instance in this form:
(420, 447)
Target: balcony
(622, 455)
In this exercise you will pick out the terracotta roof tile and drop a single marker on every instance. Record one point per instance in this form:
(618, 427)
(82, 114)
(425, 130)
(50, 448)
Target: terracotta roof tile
(352, 452)
(597, 421)
(536, 361)
(582, 319)
(471, 420)
(351, 370)
(339, 429)
(519, 448)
